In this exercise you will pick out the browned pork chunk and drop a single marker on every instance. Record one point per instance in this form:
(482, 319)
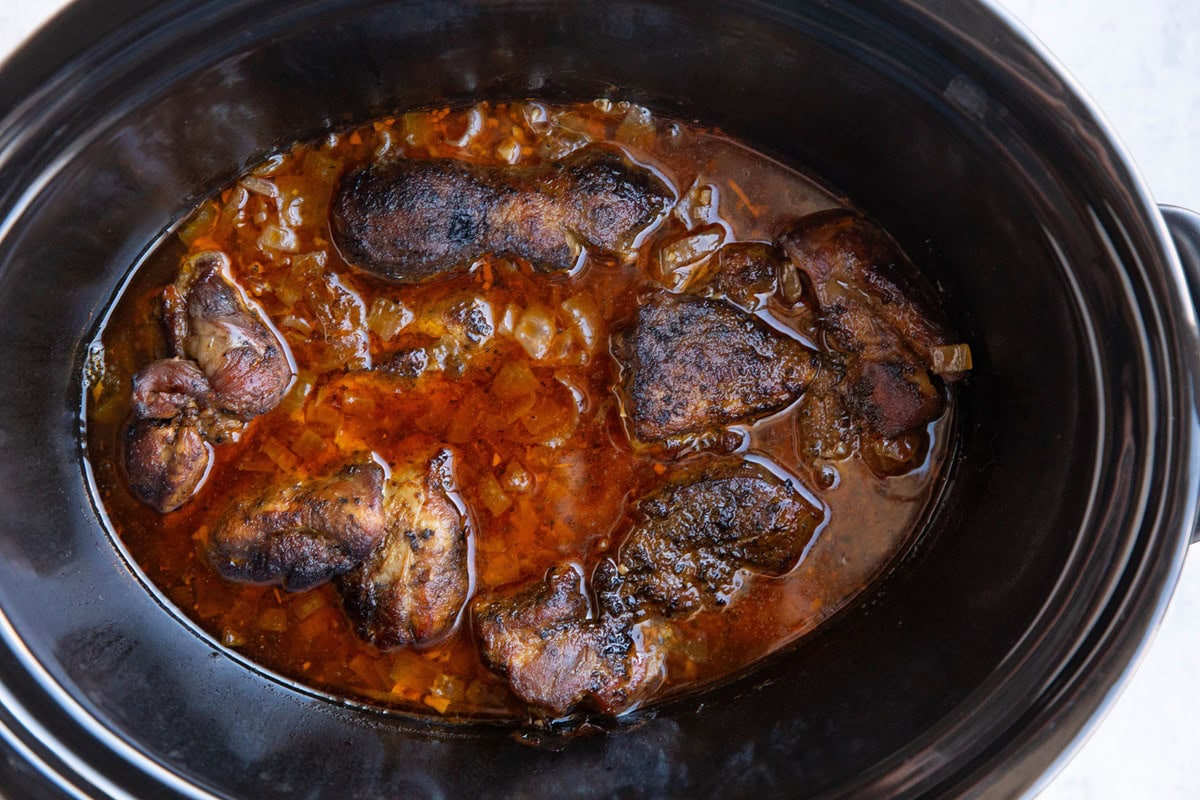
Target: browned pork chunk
(244, 361)
(410, 590)
(690, 365)
(692, 538)
(555, 657)
(165, 460)
(876, 309)
(302, 534)
(413, 219)
(226, 367)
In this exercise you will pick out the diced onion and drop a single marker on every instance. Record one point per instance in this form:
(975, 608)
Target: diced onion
(515, 379)
(535, 330)
(791, 288)
(638, 125)
(536, 117)
(308, 604)
(474, 126)
(698, 206)
(692, 247)
(516, 478)
(585, 319)
(260, 186)
(951, 358)
(275, 237)
(387, 318)
(683, 262)
(199, 225)
(508, 320)
(508, 151)
(493, 496)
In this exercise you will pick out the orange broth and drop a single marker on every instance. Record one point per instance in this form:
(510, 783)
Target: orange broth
(543, 462)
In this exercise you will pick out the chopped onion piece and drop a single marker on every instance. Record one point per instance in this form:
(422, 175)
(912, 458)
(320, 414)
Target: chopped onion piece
(685, 263)
(199, 225)
(270, 165)
(690, 248)
(585, 319)
(515, 379)
(275, 237)
(535, 330)
(508, 320)
(951, 358)
(508, 151)
(260, 186)
(493, 496)
(791, 287)
(516, 478)
(698, 206)
(637, 126)
(536, 117)
(297, 324)
(387, 318)
(474, 126)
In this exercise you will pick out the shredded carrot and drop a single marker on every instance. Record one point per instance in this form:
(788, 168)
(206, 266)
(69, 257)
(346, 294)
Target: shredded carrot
(753, 209)
(660, 469)
(496, 459)
(355, 138)
(487, 275)
(202, 243)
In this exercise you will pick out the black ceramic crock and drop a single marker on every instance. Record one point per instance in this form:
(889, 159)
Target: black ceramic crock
(968, 671)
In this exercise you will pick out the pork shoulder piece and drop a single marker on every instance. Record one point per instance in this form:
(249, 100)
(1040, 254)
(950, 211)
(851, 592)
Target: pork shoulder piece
(692, 537)
(302, 534)
(874, 307)
(555, 657)
(412, 587)
(245, 363)
(414, 219)
(165, 460)
(690, 365)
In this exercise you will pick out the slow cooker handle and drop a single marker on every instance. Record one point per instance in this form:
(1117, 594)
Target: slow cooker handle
(1185, 232)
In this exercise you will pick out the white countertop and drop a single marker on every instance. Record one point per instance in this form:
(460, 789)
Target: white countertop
(1141, 62)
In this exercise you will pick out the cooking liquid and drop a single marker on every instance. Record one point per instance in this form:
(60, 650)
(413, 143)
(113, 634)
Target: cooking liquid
(542, 460)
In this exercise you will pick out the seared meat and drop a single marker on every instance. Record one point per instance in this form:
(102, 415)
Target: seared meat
(875, 308)
(413, 219)
(691, 365)
(243, 359)
(226, 367)
(746, 273)
(412, 587)
(303, 534)
(555, 657)
(165, 388)
(693, 536)
(165, 460)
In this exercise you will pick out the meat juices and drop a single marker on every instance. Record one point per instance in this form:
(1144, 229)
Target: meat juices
(414, 219)
(690, 366)
(471, 499)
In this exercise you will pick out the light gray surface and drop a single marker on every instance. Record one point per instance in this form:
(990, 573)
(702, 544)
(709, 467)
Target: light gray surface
(1141, 62)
